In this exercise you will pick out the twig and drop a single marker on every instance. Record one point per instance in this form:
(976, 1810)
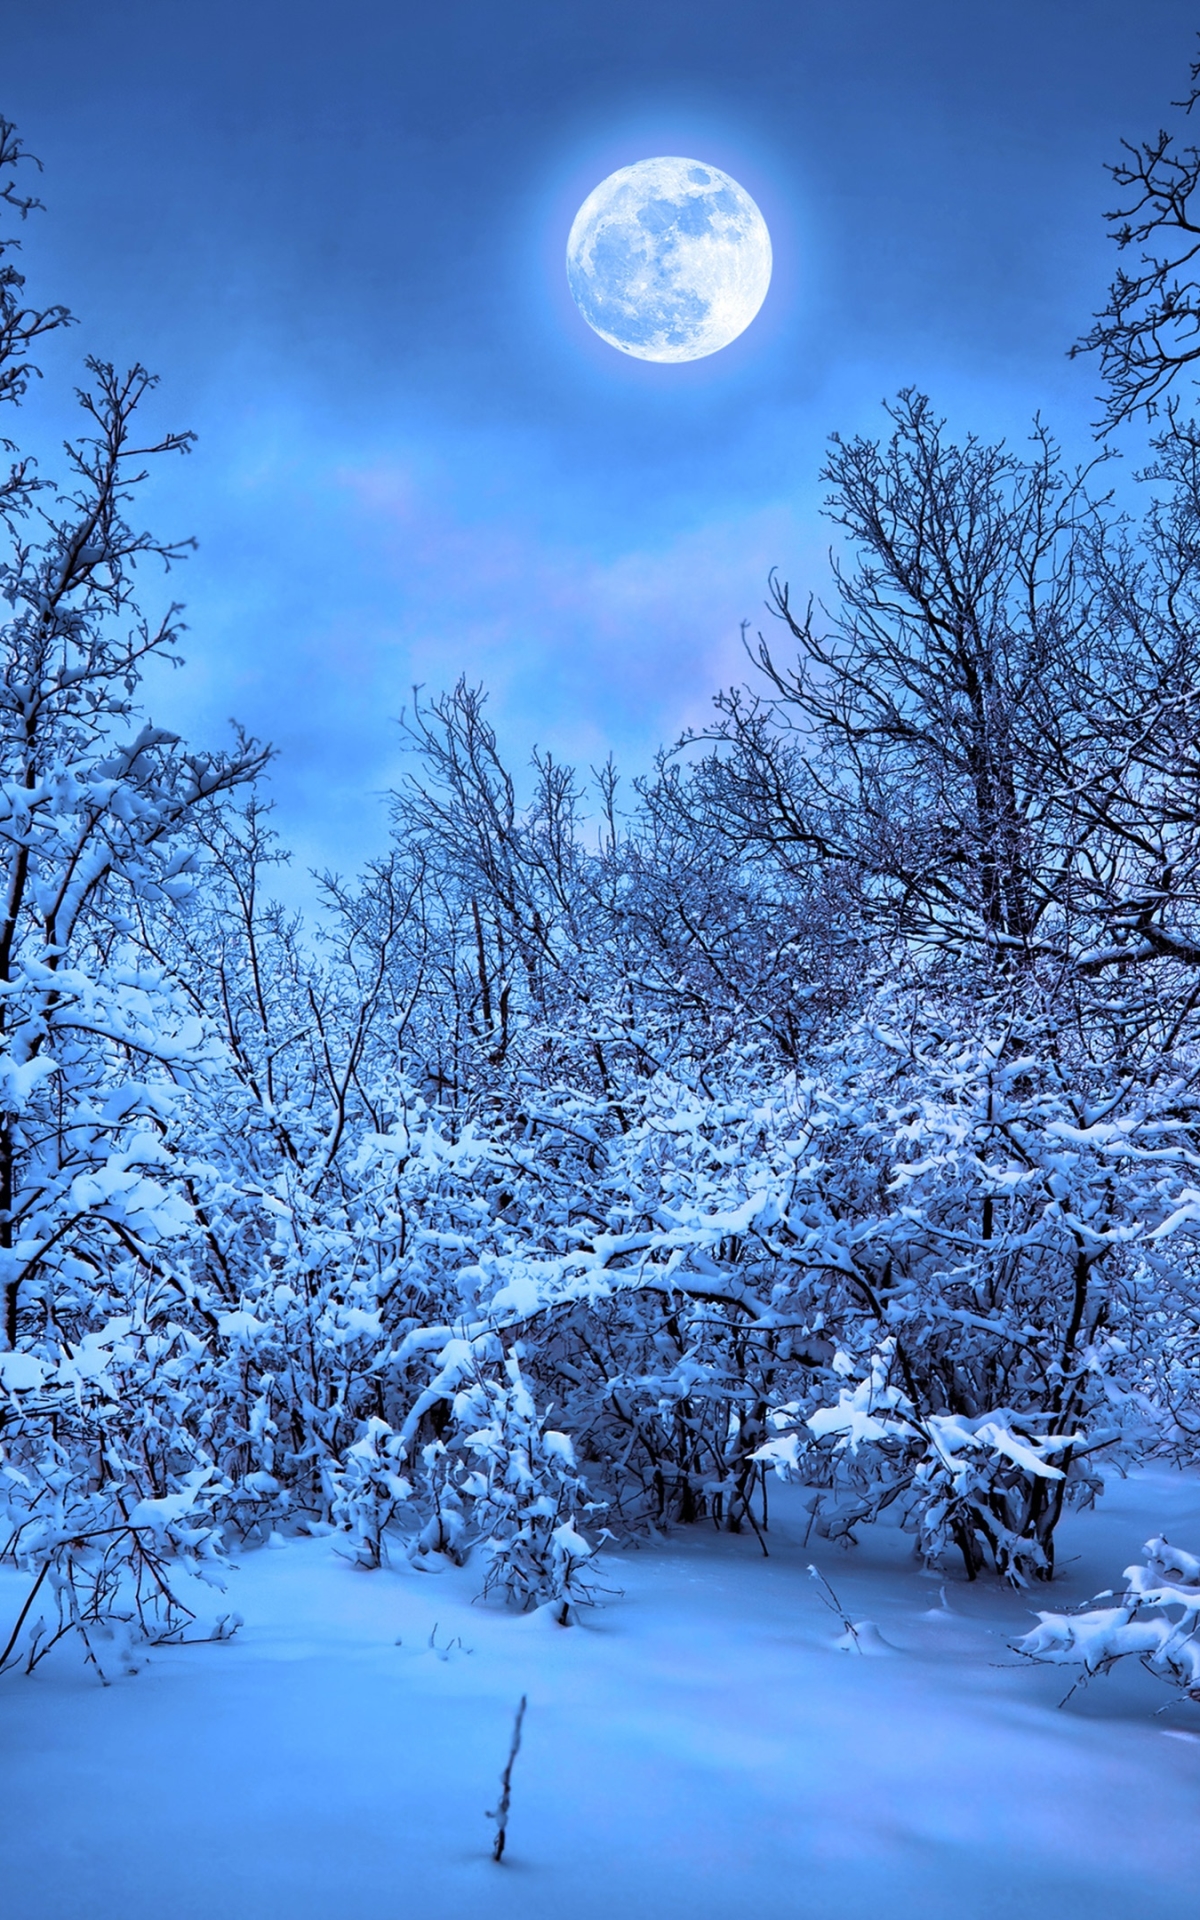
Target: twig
(500, 1812)
(831, 1600)
(15, 1634)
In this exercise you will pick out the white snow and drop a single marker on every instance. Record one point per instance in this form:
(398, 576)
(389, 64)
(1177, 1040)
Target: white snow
(21, 1372)
(696, 1747)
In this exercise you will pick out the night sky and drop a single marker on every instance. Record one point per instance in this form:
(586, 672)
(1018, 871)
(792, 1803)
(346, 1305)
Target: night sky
(337, 232)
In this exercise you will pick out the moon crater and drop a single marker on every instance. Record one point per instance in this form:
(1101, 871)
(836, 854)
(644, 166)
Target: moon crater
(669, 259)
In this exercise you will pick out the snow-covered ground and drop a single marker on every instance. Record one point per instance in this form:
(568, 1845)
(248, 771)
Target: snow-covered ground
(697, 1747)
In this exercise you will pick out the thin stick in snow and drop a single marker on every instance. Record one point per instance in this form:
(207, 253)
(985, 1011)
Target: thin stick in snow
(500, 1812)
(831, 1600)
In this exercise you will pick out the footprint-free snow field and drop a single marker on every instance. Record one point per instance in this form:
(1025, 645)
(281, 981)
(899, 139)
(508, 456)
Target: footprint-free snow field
(698, 1746)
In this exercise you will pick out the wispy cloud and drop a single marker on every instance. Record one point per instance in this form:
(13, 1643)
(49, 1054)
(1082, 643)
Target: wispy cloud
(584, 651)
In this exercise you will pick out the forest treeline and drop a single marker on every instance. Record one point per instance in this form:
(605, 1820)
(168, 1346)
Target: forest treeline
(826, 1103)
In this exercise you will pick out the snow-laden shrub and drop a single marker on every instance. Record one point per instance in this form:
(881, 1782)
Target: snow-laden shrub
(987, 1234)
(909, 1277)
(1155, 1620)
(956, 1478)
(526, 1492)
(107, 1497)
(501, 1482)
(442, 1531)
(637, 1272)
(370, 1490)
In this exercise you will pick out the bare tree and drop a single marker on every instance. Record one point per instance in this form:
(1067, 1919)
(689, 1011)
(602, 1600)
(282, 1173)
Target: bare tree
(906, 744)
(20, 327)
(1149, 333)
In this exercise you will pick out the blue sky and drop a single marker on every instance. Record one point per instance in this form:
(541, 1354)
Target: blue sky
(337, 232)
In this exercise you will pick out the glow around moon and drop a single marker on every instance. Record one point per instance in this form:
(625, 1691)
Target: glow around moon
(669, 259)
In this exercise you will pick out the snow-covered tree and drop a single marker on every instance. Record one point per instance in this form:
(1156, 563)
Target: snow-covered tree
(100, 1058)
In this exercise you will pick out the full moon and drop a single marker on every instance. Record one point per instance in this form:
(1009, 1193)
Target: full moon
(669, 259)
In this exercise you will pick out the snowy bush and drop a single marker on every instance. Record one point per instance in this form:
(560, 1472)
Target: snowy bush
(525, 1491)
(1156, 1620)
(958, 1478)
(370, 1490)
(107, 1498)
(984, 1228)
